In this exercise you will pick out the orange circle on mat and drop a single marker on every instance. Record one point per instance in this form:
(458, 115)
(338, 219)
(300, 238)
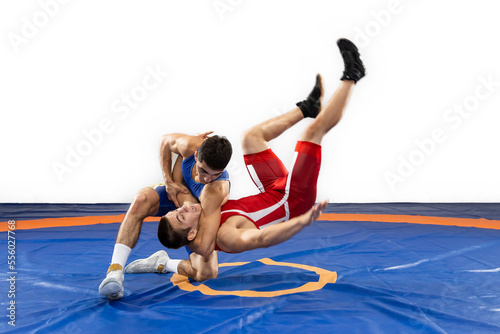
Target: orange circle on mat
(325, 277)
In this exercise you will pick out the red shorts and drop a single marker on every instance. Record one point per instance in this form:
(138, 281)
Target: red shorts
(283, 195)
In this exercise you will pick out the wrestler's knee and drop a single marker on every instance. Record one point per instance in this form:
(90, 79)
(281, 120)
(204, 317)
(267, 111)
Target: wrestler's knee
(313, 133)
(141, 205)
(251, 135)
(253, 141)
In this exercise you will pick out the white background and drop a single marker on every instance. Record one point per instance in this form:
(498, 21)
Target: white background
(232, 64)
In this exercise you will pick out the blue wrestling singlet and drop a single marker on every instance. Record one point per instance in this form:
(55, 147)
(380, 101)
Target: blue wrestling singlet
(167, 205)
(187, 174)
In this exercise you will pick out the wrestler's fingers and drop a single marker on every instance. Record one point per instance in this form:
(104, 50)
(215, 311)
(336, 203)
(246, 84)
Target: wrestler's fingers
(205, 135)
(183, 189)
(173, 199)
(322, 205)
(318, 208)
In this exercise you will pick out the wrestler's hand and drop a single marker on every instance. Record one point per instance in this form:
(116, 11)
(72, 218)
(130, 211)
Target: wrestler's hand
(204, 135)
(314, 212)
(173, 189)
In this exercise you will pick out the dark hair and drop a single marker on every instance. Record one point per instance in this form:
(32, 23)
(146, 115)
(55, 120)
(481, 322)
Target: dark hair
(169, 237)
(216, 152)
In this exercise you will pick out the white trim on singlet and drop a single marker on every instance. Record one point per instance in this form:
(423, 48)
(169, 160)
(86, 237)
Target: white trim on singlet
(257, 215)
(255, 178)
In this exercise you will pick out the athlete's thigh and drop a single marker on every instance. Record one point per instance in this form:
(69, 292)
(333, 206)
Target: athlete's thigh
(304, 178)
(265, 168)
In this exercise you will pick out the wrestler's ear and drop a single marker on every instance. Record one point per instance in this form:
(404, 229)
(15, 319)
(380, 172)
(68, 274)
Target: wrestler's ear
(192, 234)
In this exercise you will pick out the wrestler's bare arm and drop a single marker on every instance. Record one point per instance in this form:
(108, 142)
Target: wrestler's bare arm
(212, 197)
(183, 145)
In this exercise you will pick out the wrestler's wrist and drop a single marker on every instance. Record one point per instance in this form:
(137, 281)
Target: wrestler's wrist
(302, 220)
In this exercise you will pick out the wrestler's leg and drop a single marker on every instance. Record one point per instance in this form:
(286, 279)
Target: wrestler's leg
(146, 203)
(333, 110)
(196, 267)
(256, 138)
(330, 115)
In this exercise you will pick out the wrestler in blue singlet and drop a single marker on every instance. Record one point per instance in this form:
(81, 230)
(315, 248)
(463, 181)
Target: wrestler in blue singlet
(187, 174)
(194, 187)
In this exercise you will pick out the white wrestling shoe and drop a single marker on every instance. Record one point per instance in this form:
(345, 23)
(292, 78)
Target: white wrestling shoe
(156, 263)
(112, 285)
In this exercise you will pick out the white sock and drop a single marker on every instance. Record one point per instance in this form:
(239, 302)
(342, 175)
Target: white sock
(120, 254)
(172, 266)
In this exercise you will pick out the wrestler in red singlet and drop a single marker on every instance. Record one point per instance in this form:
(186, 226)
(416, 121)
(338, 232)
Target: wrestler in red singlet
(283, 195)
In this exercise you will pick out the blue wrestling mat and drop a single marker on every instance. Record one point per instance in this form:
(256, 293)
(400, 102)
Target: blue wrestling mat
(362, 268)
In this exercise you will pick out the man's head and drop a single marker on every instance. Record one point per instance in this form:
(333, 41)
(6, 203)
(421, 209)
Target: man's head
(179, 227)
(212, 157)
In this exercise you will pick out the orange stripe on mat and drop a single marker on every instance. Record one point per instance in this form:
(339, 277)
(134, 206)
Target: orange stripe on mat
(68, 221)
(92, 220)
(449, 221)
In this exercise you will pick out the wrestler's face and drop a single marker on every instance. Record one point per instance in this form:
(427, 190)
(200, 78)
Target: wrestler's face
(185, 217)
(205, 173)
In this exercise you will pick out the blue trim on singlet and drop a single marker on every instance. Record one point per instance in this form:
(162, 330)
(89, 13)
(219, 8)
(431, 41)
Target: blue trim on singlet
(187, 174)
(166, 205)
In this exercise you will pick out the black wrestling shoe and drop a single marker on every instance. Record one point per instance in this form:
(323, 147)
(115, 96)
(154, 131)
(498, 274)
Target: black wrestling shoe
(312, 106)
(353, 66)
